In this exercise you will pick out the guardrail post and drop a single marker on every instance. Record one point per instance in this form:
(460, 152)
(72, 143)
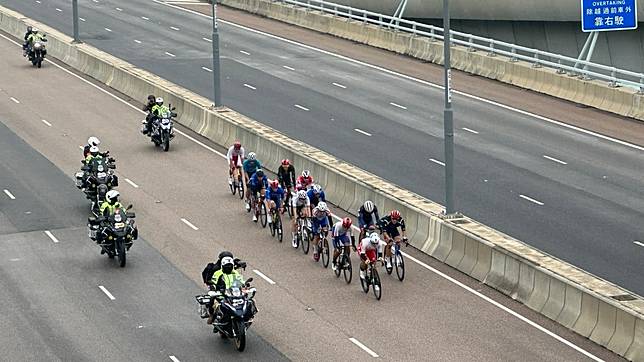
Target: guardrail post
(536, 63)
(613, 81)
(491, 53)
(413, 28)
(559, 68)
(432, 33)
(514, 58)
(364, 17)
(470, 48)
(641, 91)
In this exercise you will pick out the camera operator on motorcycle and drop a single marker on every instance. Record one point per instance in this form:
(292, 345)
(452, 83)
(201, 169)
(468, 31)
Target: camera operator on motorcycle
(34, 37)
(24, 44)
(152, 101)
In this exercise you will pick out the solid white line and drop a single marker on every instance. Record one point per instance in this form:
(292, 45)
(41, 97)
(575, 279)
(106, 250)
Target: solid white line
(137, 41)
(81, 19)
(189, 224)
(9, 194)
(339, 85)
(145, 18)
(363, 132)
(397, 105)
(132, 183)
(15, 100)
(51, 236)
(45, 122)
(175, 28)
(364, 348)
(107, 292)
(555, 160)
(108, 30)
(261, 275)
(170, 54)
(60, 11)
(174, 359)
(192, 139)
(206, 69)
(244, 52)
(249, 86)
(638, 243)
(287, 67)
(301, 107)
(531, 200)
(470, 130)
(208, 40)
(437, 162)
(119, 9)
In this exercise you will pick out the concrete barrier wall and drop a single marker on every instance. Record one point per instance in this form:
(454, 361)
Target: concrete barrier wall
(623, 101)
(566, 294)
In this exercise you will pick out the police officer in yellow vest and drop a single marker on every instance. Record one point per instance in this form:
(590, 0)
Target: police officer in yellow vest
(224, 279)
(34, 37)
(111, 203)
(159, 109)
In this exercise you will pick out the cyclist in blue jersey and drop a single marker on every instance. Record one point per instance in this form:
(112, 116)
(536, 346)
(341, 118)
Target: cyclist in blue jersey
(274, 198)
(256, 185)
(250, 165)
(320, 220)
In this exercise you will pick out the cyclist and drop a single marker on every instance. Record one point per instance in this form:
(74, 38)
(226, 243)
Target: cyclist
(388, 226)
(250, 165)
(316, 194)
(274, 198)
(370, 252)
(320, 220)
(304, 181)
(367, 217)
(235, 156)
(257, 185)
(286, 177)
(342, 235)
(302, 206)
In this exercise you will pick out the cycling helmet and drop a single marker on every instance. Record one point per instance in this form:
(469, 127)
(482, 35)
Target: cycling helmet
(374, 238)
(317, 188)
(259, 173)
(93, 141)
(346, 222)
(302, 195)
(112, 196)
(237, 145)
(227, 264)
(224, 254)
(93, 150)
(306, 173)
(159, 101)
(369, 206)
(274, 184)
(286, 162)
(395, 215)
(252, 156)
(322, 206)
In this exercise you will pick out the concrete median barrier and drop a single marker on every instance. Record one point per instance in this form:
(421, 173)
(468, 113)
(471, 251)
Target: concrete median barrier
(607, 314)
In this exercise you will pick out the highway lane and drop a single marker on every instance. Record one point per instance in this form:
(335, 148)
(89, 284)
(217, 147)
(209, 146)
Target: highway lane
(533, 180)
(300, 302)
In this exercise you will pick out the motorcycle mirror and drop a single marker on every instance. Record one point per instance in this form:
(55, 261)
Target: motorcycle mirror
(173, 108)
(128, 207)
(91, 219)
(249, 280)
(131, 215)
(111, 166)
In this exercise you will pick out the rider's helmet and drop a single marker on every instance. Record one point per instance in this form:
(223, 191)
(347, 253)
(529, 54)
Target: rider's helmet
(224, 254)
(274, 184)
(286, 162)
(93, 141)
(374, 238)
(252, 156)
(395, 215)
(346, 222)
(34, 30)
(112, 196)
(301, 194)
(368, 206)
(306, 173)
(322, 206)
(317, 188)
(227, 264)
(29, 29)
(93, 150)
(152, 98)
(237, 145)
(159, 101)
(259, 173)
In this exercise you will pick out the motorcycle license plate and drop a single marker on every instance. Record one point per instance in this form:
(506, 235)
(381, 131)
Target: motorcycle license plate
(102, 175)
(237, 302)
(119, 225)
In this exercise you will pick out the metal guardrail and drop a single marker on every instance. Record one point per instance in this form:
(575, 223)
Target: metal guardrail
(562, 64)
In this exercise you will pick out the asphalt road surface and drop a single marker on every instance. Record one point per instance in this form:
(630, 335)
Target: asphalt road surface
(51, 290)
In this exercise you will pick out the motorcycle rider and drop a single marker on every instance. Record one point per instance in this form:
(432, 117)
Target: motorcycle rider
(92, 141)
(157, 111)
(224, 279)
(148, 109)
(24, 44)
(111, 203)
(35, 36)
(93, 153)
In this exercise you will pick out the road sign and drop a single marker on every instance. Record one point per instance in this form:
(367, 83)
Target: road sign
(608, 15)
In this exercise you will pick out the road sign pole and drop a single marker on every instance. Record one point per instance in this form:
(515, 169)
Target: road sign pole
(448, 121)
(216, 67)
(75, 16)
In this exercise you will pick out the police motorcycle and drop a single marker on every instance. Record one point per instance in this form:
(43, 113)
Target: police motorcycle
(162, 128)
(115, 233)
(37, 52)
(97, 178)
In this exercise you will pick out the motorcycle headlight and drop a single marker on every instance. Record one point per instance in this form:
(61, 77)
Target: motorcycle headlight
(236, 292)
(37, 45)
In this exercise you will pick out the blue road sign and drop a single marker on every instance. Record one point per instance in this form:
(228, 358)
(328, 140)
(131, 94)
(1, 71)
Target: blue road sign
(608, 15)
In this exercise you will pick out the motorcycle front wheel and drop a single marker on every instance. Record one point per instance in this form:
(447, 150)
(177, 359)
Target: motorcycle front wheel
(240, 339)
(166, 142)
(120, 252)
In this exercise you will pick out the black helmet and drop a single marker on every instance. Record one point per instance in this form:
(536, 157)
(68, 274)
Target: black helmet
(151, 98)
(224, 254)
(260, 173)
(29, 28)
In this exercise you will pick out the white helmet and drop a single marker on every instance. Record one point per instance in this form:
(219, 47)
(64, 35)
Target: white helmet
(322, 206)
(159, 100)
(252, 156)
(93, 141)
(317, 188)
(368, 206)
(34, 30)
(374, 238)
(93, 149)
(306, 173)
(112, 196)
(227, 260)
(301, 194)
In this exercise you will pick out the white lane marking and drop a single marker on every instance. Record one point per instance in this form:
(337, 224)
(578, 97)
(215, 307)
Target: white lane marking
(244, 52)
(14, 259)
(208, 40)
(9, 194)
(51, 236)
(555, 160)
(249, 86)
(469, 130)
(287, 67)
(397, 105)
(189, 224)
(108, 30)
(14, 100)
(363, 132)
(189, 137)
(45, 122)
(132, 183)
(96, 1)
(363, 347)
(137, 41)
(638, 243)
(301, 107)
(60, 11)
(339, 85)
(437, 161)
(38, 1)
(175, 28)
(261, 275)
(170, 54)
(174, 359)
(145, 18)
(206, 69)
(119, 9)
(107, 292)
(531, 200)
(81, 19)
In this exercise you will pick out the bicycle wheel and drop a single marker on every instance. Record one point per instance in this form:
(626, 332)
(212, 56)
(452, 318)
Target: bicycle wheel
(325, 253)
(339, 268)
(289, 208)
(233, 187)
(377, 287)
(280, 230)
(240, 186)
(272, 226)
(389, 268)
(262, 213)
(365, 283)
(347, 269)
(306, 241)
(400, 265)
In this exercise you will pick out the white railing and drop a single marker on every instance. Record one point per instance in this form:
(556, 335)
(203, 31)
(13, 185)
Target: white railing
(615, 77)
